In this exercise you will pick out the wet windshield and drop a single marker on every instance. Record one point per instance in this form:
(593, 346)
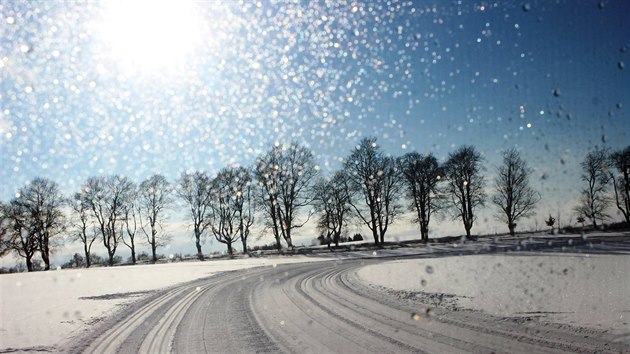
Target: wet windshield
(420, 159)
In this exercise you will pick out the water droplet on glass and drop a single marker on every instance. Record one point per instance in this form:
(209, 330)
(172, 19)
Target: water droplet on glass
(423, 282)
(415, 316)
(429, 269)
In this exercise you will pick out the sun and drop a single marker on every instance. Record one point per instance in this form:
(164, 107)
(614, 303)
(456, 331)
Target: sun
(150, 35)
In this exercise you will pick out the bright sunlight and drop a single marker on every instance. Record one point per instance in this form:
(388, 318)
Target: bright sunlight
(150, 35)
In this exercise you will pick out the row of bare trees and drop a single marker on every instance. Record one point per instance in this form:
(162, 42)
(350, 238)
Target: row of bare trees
(286, 189)
(372, 184)
(110, 208)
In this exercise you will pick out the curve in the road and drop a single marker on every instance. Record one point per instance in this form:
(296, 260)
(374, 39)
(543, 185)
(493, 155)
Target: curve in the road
(317, 307)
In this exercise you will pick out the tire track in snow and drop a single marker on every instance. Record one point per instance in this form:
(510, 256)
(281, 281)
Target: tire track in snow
(159, 339)
(111, 340)
(318, 307)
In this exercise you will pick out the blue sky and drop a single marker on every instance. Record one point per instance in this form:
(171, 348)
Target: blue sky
(107, 87)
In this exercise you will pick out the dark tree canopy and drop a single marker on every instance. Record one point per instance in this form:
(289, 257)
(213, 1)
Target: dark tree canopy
(194, 190)
(620, 160)
(132, 222)
(593, 198)
(374, 184)
(18, 237)
(82, 225)
(232, 207)
(32, 220)
(44, 202)
(421, 175)
(332, 202)
(285, 175)
(107, 197)
(514, 197)
(465, 185)
(153, 196)
(5, 230)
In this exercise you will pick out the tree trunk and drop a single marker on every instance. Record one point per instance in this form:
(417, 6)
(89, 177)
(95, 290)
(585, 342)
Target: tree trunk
(287, 237)
(29, 264)
(111, 258)
(468, 236)
(425, 233)
(153, 245)
(244, 243)
(374, 230)
(230, 251)
(46, 259)
(198, 244)
(133, 254)
(512, 228)
(278, 244)
(87, 255)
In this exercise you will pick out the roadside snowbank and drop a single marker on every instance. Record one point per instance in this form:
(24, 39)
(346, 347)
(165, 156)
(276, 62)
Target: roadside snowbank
(582, 290)
(42, 309)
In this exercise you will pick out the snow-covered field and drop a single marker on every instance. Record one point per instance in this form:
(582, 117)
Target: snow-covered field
(44, 309)
(577, 289)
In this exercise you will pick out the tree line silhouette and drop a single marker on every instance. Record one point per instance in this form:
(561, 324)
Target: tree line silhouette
(285, 189)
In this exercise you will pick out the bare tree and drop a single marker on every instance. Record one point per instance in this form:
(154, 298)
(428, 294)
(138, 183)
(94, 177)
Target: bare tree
(374, 184)
(82, 224)
(194, 190)
(232, 210)
(514, 197)
(621, 183)
(154, 195)
(42, 201)
(267, 167)
(107, 197)
(421, 175)
(594, 199)
(285, 174)
(4, 230)
(132, 222)
(465, 184)
(332, 201)
(19, 236)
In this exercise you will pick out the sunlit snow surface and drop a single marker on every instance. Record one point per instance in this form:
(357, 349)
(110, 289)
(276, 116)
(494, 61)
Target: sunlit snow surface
(580, 290)
(138, 87)
(47, 308)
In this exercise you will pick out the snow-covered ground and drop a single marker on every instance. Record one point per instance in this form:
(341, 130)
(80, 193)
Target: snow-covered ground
(43, 309)
(578, 289)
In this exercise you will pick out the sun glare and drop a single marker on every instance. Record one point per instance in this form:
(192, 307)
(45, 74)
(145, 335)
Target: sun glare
(150, 35)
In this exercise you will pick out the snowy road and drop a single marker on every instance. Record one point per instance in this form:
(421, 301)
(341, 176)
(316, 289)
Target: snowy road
(317, 308)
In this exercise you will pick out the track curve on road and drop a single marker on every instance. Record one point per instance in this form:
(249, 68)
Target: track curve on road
(318, 307)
